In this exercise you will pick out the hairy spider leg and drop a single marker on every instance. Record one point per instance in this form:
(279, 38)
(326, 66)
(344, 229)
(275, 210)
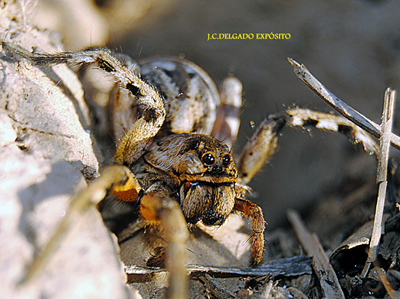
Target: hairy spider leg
(139, 134)
(255, 213)
(227, 123)
(264, 142)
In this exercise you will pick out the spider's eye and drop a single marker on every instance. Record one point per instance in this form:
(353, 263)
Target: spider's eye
(226, 160)
(208, 159)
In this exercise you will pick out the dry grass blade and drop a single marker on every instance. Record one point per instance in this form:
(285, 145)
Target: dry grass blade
(326, 275)
(383, 277)
(387, 124)
(381, 177)
(307, 78)
(215, 288)
(293, 266)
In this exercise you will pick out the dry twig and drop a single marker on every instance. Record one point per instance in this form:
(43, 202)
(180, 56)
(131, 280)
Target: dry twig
(381, 177)
(215, 288)
(326, 275)
(385, 281)
(293, 266)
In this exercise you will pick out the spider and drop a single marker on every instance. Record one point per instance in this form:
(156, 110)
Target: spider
(173, 160)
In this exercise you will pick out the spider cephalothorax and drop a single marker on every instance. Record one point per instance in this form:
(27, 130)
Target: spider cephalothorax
(201, 175)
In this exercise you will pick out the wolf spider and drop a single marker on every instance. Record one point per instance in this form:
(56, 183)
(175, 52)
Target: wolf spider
(173, 159)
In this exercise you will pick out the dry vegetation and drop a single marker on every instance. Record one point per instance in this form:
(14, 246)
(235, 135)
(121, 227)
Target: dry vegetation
(48, 149)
